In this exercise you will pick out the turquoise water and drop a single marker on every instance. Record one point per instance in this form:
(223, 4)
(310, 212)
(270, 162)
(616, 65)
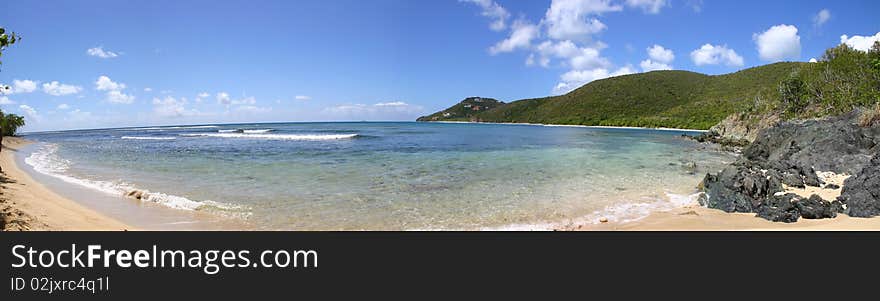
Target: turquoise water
(389, 176)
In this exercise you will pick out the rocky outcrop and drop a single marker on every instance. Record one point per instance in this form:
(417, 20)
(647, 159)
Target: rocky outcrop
(790, 154)
(861, 193)
(741, 127)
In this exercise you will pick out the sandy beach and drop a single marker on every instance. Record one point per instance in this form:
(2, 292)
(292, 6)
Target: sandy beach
(698, 218)
(28, 205)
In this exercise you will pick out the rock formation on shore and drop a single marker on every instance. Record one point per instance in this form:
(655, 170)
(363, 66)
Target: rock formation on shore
(789, 155)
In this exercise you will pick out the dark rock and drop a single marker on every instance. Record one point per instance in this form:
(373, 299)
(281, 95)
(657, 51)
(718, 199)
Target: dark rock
(832, 186)
(861, 192)
(835, 144)
(738, 189)
(815, 207)
(790, 153)
(780, 208)
(793, 180)
(715, 137)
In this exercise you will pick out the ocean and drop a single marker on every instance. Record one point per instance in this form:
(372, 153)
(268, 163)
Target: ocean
(379, 175)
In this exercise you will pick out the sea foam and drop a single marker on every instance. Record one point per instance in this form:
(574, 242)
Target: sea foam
(153, 128)
(619, 213)
(273, 136)
(147, 138)
(254, 131)
(46, 161)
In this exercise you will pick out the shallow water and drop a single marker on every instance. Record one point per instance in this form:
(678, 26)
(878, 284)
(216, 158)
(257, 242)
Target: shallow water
(395, 176)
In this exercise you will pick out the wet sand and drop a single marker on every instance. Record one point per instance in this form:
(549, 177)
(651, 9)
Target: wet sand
(32, 206)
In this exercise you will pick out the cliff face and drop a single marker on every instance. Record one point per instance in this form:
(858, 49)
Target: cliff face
(741, 127)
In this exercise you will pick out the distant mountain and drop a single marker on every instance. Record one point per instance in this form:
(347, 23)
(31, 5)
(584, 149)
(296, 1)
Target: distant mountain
(468, 109)
(678, 99)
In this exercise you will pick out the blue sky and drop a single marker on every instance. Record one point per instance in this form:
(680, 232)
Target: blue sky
(87, 64)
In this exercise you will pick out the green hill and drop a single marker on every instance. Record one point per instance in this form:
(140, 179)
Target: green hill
(679, 99)
(466, 110)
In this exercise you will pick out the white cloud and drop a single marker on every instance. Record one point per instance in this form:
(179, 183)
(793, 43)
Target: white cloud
(813, 60)
(116, 96)
(114, 90)
(492, 10)
(104, 83)
(576, 19)
(223, 98)
(578, 58)
(253, 109)
(63, 106)
(23, 86)
(576, 78)
(6, 101)
(562, 49)
(659, 58)
(101, 53)
(716, 54)
(201, 96)
(148, 89)
(821, 17)
(648, 6)
(77, 116)
(393, 110)
(778, 43)
(696, 5)
(303, 97)
(391, 104)
(29, 111)
(660, 54)
(863, 43)
(58, 89)
(650, 65)
(245, 101)
(530, 61)
(170, 107)
(521, 36)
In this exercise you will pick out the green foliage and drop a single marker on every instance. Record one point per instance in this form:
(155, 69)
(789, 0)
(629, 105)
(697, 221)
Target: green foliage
(467, 110)
(792, 90)
(7, 39)
(679, 99)
(842, 80)
(10, 123)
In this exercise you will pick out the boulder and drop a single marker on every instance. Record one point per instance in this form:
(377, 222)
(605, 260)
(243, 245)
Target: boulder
(861, 192)
(780, 208)
(790, 153)
(815, 207)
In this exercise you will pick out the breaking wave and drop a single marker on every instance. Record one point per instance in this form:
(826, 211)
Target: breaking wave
(46, 161)
(273, 136)
(147, 138)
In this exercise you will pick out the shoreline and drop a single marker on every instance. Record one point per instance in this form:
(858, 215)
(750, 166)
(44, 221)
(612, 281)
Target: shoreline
(574, 125)
(29, 205)
(698, 218)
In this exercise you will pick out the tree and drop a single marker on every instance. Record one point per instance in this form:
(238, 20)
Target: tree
(875, 54)
(792, 91)
(10, 123)
(7, 40)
